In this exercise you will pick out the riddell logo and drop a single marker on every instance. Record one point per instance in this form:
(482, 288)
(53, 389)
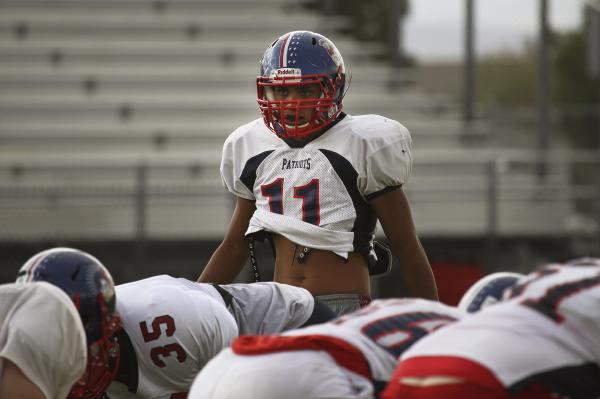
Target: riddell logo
(281, 72)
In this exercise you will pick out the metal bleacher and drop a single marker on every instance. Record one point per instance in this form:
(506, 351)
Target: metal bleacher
(113, 114)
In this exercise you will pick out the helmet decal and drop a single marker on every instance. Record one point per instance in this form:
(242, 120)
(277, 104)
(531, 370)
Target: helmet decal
(286, 72)
(288, 53)
(332, 51)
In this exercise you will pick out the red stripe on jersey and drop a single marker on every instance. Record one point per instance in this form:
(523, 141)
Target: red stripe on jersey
(476, 381)
(343, 353)
(427, 366)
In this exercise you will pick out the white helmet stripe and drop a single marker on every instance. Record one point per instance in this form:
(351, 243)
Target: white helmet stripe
(284, 51)
(25, 273)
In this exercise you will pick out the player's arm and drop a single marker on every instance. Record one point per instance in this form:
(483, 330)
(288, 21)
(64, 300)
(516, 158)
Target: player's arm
(230, 257)
(15, 385)
(393, 212)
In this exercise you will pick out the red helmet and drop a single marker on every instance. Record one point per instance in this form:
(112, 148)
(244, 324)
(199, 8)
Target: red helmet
(91, 288)
(297, 61)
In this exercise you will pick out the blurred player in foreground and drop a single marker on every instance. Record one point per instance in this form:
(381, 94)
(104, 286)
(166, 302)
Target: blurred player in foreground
(314, 181)
(350, 357)
(541, 341)
(57, 328)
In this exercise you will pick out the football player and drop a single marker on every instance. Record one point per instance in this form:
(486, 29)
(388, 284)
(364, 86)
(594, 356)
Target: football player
(541, 341)
(352, 356)
(314, 180)
(172, 327)
(57, 328)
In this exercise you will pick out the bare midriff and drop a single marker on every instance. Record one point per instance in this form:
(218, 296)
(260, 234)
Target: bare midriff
(321, 272)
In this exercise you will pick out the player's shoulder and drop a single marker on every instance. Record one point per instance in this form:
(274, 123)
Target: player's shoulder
(420, 305)
(247, 130)
(39, 291)
(146, 283)
(195, 309)
(45, 303)
(51, 291)
(374, 127)
(553, 274)
(247, 141)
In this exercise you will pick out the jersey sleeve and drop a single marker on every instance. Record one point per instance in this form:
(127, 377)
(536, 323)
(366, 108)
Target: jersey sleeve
(47, 342)
(232, 164)
(388, 162)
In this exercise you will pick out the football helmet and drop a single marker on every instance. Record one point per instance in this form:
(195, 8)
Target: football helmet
(91, 288)
(487, 291)
(302, 62)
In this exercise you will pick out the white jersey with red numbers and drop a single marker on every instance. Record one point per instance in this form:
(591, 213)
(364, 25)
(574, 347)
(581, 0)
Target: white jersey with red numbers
(316, 195)
(546, 331)
(345, 358)
(175, 325)
(42, 334)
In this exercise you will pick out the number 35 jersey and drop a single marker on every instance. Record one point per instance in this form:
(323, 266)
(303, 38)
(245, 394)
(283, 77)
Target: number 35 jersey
(176, 326)
(317, 195)
(547, 331)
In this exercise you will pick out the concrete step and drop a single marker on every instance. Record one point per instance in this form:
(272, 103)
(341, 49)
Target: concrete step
(42, 80)
(137, 7)
(202, 27)
(127, 53)
(102, 190)
(30, 138)
(111, 211)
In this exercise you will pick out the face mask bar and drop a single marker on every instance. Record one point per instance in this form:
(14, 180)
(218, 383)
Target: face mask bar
(103, 359)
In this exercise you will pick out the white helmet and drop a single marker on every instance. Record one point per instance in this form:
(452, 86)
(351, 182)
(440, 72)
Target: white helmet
(487, 291)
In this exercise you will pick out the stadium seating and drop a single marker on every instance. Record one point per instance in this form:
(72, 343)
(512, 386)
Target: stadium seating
(113, 114)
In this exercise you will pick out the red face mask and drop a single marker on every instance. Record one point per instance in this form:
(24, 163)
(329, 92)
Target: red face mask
(296, 108)
(103, 359)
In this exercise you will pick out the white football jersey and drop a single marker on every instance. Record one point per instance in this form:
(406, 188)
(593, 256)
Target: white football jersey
(380, 331)
(42, 334)
(385, 329)
(316, 195)
(176, 326)
(547, 330)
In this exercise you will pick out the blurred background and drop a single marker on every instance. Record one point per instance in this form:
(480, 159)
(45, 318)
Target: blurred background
(113, 114)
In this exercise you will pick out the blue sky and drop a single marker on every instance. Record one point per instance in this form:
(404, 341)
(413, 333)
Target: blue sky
(434, 28)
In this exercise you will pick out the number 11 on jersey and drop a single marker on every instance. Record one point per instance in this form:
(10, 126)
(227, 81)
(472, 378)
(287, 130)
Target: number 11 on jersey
(308, 194)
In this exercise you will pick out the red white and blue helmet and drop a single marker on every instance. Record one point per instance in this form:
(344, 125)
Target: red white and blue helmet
(91, 288)
(487, 291)
(295, 59)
